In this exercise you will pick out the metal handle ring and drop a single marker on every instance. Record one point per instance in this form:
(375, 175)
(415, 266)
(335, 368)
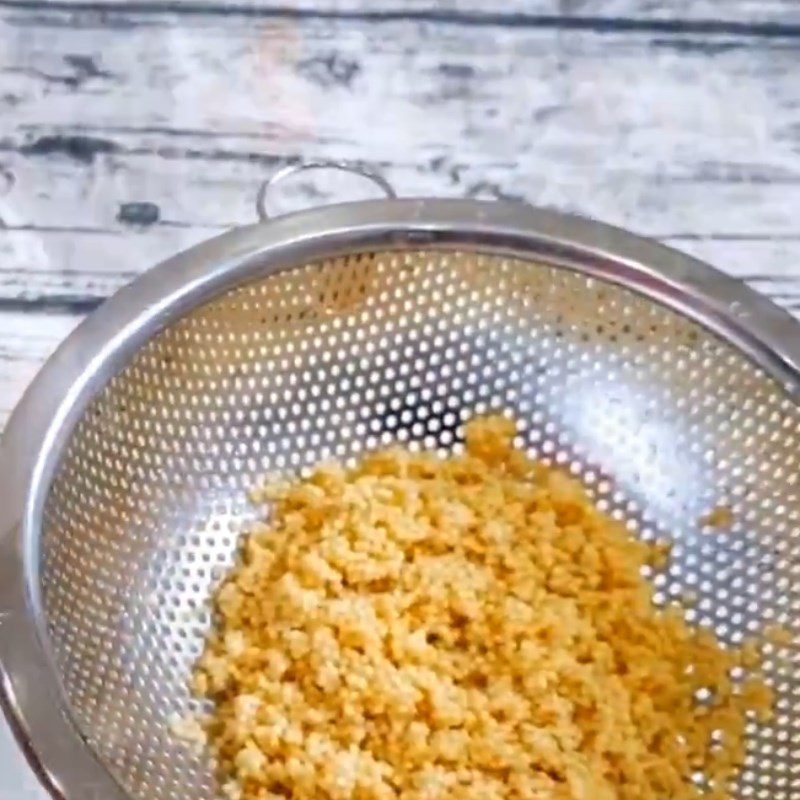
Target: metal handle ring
(305, 166)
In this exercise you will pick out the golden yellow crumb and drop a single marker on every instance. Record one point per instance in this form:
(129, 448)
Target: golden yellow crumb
(719, 518)
(470, 628)
(779, 635)
(659, 554)
(749, 655)
(189, 729)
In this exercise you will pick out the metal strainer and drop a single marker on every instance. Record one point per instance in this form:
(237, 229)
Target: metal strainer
(665, 386)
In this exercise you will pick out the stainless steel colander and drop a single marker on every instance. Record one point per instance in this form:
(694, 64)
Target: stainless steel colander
(665, 386)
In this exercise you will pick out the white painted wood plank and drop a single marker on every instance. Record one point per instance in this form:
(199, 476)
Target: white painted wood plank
(718, 11)
(771, 266)
(729, 176)
(655, 134)
(26, 340)
(780, 11)
(17, 780)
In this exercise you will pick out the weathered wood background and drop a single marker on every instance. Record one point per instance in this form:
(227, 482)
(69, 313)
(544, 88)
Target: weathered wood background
(129, 130)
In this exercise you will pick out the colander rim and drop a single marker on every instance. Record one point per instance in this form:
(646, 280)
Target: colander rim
(40, 425)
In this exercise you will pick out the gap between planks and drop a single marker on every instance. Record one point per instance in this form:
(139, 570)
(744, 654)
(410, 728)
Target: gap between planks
(710, 17)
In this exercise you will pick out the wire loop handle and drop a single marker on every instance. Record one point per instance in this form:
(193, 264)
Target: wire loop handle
(306, 166)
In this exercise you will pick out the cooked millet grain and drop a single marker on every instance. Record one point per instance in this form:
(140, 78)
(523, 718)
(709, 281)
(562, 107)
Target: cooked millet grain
(462, 629)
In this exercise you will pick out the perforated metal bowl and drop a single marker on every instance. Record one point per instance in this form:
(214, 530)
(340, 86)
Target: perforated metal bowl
(665, 386)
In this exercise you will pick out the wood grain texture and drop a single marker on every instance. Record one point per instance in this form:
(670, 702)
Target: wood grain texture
(715, 14)
(122, 143)
(24, 346)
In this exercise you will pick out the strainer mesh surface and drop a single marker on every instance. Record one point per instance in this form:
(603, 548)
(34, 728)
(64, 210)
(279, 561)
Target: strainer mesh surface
(658, 417)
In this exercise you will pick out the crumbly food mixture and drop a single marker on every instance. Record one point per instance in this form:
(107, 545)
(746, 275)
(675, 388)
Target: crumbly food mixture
(469, 628)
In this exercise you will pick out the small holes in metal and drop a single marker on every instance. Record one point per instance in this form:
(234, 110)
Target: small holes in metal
(659, 419)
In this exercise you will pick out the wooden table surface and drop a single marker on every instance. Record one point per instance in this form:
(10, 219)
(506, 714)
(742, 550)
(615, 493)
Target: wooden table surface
(130, 130)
